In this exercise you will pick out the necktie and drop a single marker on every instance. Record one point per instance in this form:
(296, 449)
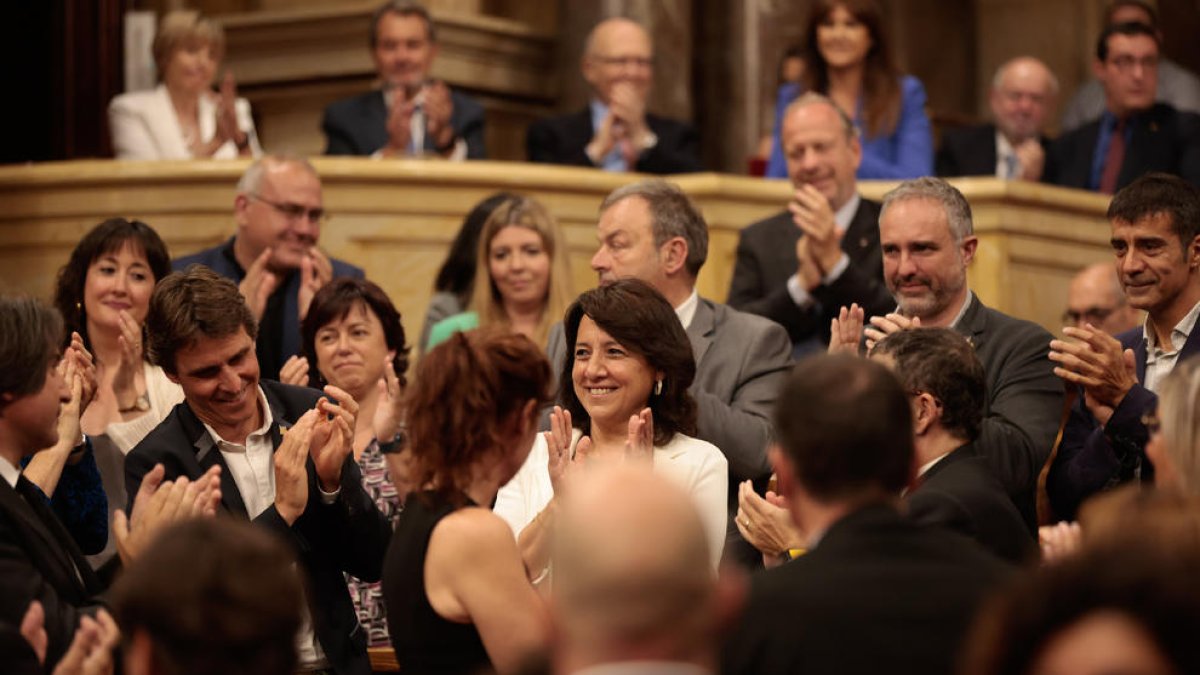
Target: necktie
(1113, 159)
(1010, 167)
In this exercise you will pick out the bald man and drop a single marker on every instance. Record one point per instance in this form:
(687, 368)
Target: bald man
(632, 582)
(614, 132)
(1096, 297)
(1012, 147)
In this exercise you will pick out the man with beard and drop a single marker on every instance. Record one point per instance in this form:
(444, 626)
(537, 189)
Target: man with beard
(928, 240)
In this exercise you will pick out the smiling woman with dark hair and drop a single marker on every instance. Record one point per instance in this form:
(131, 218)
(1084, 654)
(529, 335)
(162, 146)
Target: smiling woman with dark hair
(624, 392)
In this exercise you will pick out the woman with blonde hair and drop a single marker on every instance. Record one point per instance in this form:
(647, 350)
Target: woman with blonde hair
(528, 282)
(183, 118)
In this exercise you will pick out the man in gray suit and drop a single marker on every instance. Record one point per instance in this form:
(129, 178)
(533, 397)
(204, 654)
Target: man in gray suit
(652, 231)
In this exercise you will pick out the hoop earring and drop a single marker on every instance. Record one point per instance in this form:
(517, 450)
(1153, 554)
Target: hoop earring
(658, 388)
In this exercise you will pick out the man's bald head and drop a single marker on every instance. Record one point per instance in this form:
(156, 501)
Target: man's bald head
(1096, 297)
(618, 52)
(1023, 94)
(632, 573)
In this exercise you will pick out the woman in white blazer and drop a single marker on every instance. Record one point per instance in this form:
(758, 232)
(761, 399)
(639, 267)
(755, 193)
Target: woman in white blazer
(183, 118)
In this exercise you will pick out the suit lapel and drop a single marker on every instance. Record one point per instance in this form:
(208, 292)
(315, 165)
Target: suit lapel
(165, 127)
(57, 542)
(209, 455)
(973, 323)
(862, 234)
(701, 329)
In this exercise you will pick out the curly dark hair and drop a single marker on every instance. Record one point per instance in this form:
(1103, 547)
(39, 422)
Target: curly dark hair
(333, 302)
(466, 402)
(107, 237)
(637, 316)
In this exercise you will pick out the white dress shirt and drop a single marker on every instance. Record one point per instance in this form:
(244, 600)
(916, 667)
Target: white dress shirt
(687, 310)
(1159, 360)
(9, 472)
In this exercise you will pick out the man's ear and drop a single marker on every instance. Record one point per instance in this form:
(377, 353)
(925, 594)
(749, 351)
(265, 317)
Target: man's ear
(925, 412)
(674, 254)
(1193, 252)
(240, 204)
(968, 246)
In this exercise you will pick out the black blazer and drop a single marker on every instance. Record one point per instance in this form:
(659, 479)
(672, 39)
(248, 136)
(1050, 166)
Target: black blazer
(358, 125)
(878, 594)
(1024, 404)
(1163, 139)
(1094, 458)
(960, 493)
(562, 140)
(349, 535)
(766, 259)
(36, 559)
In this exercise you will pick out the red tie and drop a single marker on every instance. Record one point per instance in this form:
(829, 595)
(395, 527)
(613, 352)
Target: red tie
(1114, 159)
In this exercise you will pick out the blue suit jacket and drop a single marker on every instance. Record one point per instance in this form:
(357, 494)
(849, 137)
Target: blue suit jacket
(907, 152)
(358, 125)
(220, 259)
(1092, 458)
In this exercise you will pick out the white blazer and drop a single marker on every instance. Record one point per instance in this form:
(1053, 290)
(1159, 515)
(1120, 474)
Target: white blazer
(144, 126)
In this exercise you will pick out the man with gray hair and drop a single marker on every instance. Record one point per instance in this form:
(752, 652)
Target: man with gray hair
(633, 591)
(273, 256)
(410, 114)
(928, 241)
(799, 266)
(652, 231)
(1014, 145)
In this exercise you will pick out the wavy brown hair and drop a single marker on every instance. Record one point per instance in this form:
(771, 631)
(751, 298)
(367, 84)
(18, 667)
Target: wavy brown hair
(881, 78)
(466, 403)
(642, 321)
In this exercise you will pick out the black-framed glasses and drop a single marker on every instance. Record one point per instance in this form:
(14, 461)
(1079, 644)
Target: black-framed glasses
(1092, 315)
(294, 211)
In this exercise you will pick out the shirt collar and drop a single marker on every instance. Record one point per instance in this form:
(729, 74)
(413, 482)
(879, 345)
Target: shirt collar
(226, 446)
(687, 311)
(1179, 334)
(962, 310)
(844, 215)
(929, 465)
(9, 472)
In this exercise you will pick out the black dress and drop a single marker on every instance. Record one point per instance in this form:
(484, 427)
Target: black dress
(424, 641)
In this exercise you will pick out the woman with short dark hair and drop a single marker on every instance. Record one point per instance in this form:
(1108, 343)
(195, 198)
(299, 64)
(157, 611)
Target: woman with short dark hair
(624, 394)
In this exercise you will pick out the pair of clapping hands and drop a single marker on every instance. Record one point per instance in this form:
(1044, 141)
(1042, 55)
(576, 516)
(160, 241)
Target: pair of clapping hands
(325, 433)
(624, 127)
(389, 412)
(434, 99)
(260, 282)
(847, 329)
(562, 464)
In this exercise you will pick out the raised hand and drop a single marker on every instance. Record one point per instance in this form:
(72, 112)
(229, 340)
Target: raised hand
(91, 650)
(560, 464)
(1059, 541)
(69, 431)
(767, 526)
(629, 108)
(808, 270)
(291, 475)
(399, 123)
(258, 285)
(389, 411)
(845, 331)
(295, 371)
(639, 445)
(1032, 157)
(130, 364)
(333, 436)
(160, 503)
(813, 215)
(603, 140)
(883, 326)
(86, 367)
(438, 109)
(227, 122)
(1097, 362)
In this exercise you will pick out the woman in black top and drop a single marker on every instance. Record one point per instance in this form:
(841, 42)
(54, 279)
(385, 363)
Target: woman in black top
(458, 597)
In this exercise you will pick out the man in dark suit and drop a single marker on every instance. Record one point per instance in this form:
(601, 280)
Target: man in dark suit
(274, 256)
(305, 486)
(1156, 236)
(614, 132)
(1013, 147)
(928, 241)
(652, 231)
(801, 265)
(954, 488)
(874, 592)
(411, 114)
(1134, 135)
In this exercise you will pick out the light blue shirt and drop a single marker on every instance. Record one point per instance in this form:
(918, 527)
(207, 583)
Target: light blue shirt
(613, 161)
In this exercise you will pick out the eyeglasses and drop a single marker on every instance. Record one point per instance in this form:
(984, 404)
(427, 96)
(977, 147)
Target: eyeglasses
(1152, 423)
(1092, 315)
(626, 61)
(294, 211)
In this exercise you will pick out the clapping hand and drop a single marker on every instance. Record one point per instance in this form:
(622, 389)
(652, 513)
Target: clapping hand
(438, 109)
(227, 122)
(766, 523)
(399, 123)
(639, 445)
(883, 326)
(812, 214)
(845, 331)
(333, 436)
(389, 412)
(258, 284)
(561, 464)
(125, 379)
(315, 272)
(294, 371)
(85, 365)
(159, 503)
(1097, 362)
